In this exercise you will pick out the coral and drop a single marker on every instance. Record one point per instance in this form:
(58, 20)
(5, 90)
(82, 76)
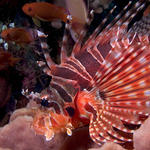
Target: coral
(109, 146)
(26, 139)
(141, 137)
(5, 149)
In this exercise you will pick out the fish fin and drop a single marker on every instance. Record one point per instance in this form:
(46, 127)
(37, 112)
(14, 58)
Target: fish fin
(102, 129)
(125, 79)
(98, 29)
(14, 61)
(78, 44)
(121, 21)
(43, 44)
(78, 10)
(63, 54)
(36, 22)
(79, 13)
(117, 32)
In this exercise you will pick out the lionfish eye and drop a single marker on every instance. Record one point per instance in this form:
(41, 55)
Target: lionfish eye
(70, 111)
(44, 103)
(29, 9)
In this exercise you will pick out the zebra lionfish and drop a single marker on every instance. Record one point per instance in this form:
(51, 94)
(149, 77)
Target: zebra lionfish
(107, 93)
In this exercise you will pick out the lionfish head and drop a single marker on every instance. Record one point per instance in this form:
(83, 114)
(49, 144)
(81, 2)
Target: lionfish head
(49, 123)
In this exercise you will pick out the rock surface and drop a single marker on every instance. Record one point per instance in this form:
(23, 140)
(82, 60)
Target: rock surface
(109, 146)
(18, 135)
(141, 137)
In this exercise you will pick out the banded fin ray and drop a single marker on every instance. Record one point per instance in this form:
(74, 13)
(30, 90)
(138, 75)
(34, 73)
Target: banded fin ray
(122, 84)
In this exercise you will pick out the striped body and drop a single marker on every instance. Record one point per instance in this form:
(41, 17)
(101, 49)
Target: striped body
(105, 81)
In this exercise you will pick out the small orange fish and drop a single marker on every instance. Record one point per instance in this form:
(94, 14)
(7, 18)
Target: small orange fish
(45, 11)
(21, 35)
(6, 60)
(147, 11)
(18, 35)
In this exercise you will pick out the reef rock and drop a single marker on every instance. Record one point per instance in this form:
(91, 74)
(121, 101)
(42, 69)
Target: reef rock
(109, 146)
(19, 135)
(141, 137)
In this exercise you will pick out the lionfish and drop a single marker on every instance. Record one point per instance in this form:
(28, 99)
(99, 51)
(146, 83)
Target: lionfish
(109, 93)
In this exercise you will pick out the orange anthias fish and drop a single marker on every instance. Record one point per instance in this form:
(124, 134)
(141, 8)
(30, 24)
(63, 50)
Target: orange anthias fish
(6, 60)
(108, 93)
(45, 11)
(147, 11)
(20, 35)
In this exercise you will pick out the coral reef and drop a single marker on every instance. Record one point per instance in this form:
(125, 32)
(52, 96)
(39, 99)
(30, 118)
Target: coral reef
(109, 146)
(18, 135)
(21, 122)
(141, 136)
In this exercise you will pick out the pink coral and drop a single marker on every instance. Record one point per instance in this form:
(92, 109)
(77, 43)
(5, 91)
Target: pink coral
(109, 146)
(18, 135)
(141, 136)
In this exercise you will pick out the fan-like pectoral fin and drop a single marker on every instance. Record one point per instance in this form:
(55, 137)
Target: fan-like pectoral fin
(101, 129)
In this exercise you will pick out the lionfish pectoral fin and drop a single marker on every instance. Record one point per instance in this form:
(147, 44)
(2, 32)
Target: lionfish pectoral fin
(79, 41)
(36, 22)
(101, 129)
(63, 54)
(124, 79)
(49, 63)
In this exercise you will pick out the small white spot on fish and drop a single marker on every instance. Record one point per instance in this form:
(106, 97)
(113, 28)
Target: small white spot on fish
(142, 60)
(147, 104)
(147, 93)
